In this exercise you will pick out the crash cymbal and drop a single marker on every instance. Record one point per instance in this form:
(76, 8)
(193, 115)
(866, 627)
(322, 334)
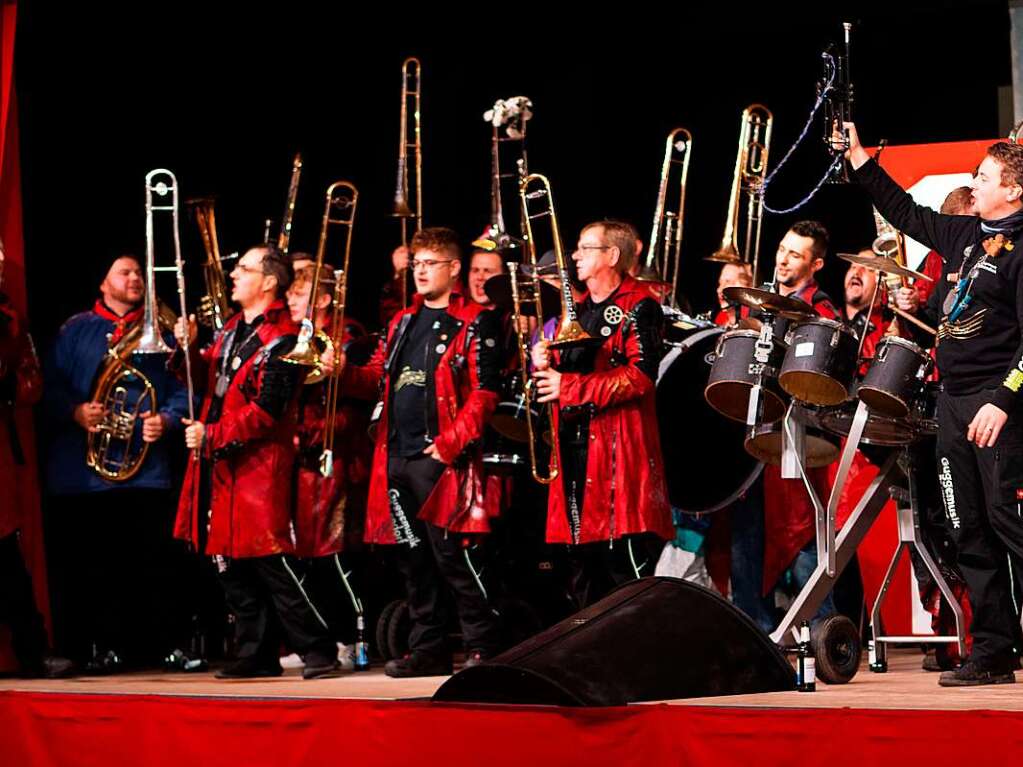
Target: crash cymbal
(498, 290)
(882, 264)
(768, 302)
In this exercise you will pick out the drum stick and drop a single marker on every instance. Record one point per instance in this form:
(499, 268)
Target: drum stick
(914, 320)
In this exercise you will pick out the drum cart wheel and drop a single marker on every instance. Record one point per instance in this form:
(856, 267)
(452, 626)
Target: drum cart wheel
(383, 624)
(837, 649)
(398, 629)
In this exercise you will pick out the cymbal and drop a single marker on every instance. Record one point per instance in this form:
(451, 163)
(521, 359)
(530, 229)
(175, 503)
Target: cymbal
(498, 290)
(882, 264)
(768, 302)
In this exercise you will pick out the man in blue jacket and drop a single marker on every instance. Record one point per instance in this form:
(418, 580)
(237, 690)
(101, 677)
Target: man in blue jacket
(112, 554)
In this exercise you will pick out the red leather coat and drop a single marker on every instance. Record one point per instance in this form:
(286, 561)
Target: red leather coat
(21, 386)
(625, 487)
(789, 515)
(324, 504)
(466, 395)
(252, 454)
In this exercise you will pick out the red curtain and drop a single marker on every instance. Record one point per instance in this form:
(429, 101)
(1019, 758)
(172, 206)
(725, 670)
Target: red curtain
(14, 285)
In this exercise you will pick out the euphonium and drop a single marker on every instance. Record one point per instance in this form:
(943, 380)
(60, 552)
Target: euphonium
(214, 308)
(403, 210)
(111, 448)
(664, 255)
(342, 198)
(748, 178)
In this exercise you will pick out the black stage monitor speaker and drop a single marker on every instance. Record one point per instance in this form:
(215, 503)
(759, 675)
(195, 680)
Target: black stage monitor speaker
(651, 639)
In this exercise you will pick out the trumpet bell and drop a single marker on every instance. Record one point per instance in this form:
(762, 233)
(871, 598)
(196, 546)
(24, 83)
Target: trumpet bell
(402, 209)
(886, 245)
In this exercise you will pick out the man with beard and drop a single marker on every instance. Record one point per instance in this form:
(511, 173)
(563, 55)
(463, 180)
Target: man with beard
(111, 556)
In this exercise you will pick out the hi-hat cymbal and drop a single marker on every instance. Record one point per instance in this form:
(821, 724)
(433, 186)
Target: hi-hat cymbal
(882, 264)
(498, 290)
(768, 302)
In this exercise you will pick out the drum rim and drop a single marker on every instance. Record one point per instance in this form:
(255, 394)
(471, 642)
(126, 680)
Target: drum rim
(914, 432)
(905, 343)
(826, 322)
(766, 391)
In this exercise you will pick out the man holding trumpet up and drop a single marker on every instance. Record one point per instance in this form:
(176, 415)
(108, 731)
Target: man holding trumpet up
(977, 308)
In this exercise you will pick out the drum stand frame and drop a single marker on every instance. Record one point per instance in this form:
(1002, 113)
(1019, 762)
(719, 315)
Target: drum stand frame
(834, 551)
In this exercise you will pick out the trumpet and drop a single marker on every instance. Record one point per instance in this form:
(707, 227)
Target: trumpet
(214, 308)
(342, 196)
(664, 254)
(110, 449)
(748, 179)
(284, 238)
(410, 92)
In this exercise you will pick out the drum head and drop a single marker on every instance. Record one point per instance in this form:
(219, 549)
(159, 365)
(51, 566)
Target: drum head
(731, 399)
(883, 403)
(821, 449)
(882, 431)
(704, 463)
(815, 388)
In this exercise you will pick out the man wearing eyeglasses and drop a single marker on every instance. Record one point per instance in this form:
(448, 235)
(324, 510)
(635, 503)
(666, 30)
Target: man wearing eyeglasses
(610, 502)
(439, 373)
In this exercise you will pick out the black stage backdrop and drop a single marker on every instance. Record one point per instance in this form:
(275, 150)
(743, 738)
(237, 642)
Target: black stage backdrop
(225, 101)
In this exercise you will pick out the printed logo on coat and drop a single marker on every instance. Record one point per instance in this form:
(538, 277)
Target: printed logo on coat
(613, 315)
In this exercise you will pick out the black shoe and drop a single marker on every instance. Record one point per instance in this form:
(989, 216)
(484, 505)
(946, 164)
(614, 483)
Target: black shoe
(475, 658)
(104, 665)
(972, 674)
(328, 670)
(418, 664)
(248, 669)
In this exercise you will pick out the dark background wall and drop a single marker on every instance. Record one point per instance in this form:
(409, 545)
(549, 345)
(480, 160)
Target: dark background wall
(225, 101)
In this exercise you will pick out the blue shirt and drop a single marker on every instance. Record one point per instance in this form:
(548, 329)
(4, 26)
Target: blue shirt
(70, 371)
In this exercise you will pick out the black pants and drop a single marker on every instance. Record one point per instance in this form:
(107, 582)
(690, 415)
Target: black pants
(117, 574)
(596, 569)
(268, 603)
(327, 591)
(18, 606)
(982, 490)
(429, 559)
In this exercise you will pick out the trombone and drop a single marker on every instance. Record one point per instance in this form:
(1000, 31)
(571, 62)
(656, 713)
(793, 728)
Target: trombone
(511, 115)
(110, 449)
(342, 197)
(284, 238)
(214, 308)
(410, 92)
(748, 178)
(537, 203)
(664, 255)
(535, 188)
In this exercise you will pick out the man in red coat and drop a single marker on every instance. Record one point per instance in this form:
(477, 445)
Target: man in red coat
(611, 493)
(21, 385)
(236, 502)
(439, 370)
(773, 526)
(324, 506)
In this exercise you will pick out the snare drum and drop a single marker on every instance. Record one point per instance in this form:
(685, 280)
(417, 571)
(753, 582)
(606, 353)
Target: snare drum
(879, 430)
(820, 363)
(894, 380)
(736, 371)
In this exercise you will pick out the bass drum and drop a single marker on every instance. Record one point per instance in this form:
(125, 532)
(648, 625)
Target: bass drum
(705, 464)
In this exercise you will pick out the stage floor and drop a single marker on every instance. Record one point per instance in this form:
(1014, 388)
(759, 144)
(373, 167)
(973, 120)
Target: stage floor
(905, 686)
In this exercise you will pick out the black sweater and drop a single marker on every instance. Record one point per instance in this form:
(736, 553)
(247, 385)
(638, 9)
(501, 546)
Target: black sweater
(988, 353)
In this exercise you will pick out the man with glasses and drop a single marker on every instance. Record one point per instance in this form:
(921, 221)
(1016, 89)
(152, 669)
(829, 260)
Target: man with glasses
(236, 502)
(611, 493)
(439, 373)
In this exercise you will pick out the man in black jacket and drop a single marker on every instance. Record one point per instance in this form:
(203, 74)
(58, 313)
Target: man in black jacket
(978, 310)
